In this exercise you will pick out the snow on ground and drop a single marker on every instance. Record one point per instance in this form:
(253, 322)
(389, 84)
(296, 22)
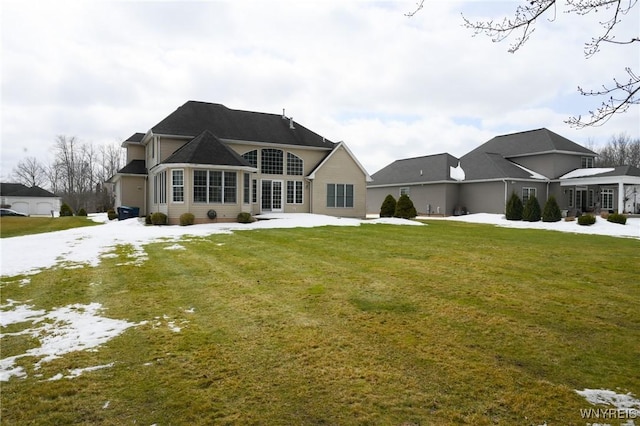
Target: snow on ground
(60, 331)
(601, 227)
(85, 246)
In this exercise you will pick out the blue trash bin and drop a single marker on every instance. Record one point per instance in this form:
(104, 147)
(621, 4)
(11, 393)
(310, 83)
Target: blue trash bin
(125, 212)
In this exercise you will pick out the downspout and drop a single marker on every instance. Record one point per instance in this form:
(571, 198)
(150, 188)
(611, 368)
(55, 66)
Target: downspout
(505, 194)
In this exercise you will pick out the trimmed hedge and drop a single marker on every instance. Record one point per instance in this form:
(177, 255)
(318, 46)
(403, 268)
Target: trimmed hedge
(82, 212)
(187, 219)
(244, 217)
(617, 218)
(111, 214)
(388, 207)
(586, 220)
(551, 212)
(405, 208)
(531, 211)
(158, 218)
(514, 207)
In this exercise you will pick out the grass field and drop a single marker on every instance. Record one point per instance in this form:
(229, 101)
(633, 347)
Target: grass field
(449, 323)
(12, 226)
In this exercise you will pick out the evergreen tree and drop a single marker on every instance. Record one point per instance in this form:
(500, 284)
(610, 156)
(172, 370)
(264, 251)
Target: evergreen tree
(405, 208)
(65, 210)
(551, 212)
(514, 207)
(531, 211)
(388, 208)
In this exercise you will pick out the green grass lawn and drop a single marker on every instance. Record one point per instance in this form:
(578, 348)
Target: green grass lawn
(449, 323)
(12, 226)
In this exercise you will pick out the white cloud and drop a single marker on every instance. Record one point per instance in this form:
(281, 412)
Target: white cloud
(362, 72)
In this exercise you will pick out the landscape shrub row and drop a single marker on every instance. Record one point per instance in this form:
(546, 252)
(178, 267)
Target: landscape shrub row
(403, 208)
(530, 212)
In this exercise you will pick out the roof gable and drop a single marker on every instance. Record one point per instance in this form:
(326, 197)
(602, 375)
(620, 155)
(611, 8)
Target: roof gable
(312, 175)
(489, 165)
(429, 168)
(206, 148)
(194, 117)
(530, 143)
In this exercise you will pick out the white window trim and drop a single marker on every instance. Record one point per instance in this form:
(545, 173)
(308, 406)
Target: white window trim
(173, 201)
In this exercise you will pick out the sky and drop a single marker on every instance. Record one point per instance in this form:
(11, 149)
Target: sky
(357, 71)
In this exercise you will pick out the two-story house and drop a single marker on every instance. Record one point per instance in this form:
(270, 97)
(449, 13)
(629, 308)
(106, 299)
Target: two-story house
(216, 162)
(537, 162)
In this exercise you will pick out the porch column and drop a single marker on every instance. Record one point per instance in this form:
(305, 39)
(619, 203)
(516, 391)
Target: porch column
(620, 197)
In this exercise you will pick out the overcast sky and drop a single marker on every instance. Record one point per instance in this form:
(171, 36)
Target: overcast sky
(390, 86)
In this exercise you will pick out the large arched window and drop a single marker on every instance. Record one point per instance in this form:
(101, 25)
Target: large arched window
(272, 161)
(295, 165)
(251, 157)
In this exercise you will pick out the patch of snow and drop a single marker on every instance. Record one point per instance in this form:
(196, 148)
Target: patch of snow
(30, 254)
(457, 172)
(609, 397)
(586, 172)
(60, 331)
(601, 227)
(175, 247)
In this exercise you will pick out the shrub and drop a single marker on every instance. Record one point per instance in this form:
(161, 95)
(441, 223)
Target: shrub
(147, 219)
(586, 220)
(551, 212)
(388, 207)
(617, 218)
(65, 210)
(244, 217)
(111, 214)
(158, 218)
(405, 208)
(82, 212)
(186, 219)
(514, 207)
(531, 210)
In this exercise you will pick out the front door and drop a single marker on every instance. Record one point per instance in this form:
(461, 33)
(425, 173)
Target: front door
(581, 199)
(271, 196)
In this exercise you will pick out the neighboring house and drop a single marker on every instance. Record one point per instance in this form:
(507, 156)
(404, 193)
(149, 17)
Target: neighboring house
(537, 162)
(212, 161)
(30, 201)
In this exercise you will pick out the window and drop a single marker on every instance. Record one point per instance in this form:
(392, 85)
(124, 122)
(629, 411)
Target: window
(294, 165)
(213, 186)
(246, 185)
(587, 162)
(339, 195)
(160, 188)
(271, 163)
(606, 197)
(254, 191)
(251, 157)
(570, 197)
(177, 184)
(199, 186)
(294, 192)
(527, 193)
(405, 191)
(590, 199)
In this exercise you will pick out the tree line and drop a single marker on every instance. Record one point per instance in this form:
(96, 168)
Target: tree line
(77, 173)
(620, 150)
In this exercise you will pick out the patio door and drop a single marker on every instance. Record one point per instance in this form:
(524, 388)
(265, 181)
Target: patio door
(271, 196)
(581, 199)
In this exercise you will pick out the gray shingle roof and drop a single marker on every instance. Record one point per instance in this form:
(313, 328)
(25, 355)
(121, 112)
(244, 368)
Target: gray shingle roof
(194, 117)
(135, 167)
(206, 148)
(530, 143)
(430, 168)
(487, 165)
(20, 190)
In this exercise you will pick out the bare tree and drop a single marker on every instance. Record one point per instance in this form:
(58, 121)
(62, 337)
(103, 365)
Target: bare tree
(30, 172)
(620, 150)
(620, 94)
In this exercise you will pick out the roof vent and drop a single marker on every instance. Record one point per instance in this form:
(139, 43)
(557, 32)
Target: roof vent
(283, 116)
(291, 123)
